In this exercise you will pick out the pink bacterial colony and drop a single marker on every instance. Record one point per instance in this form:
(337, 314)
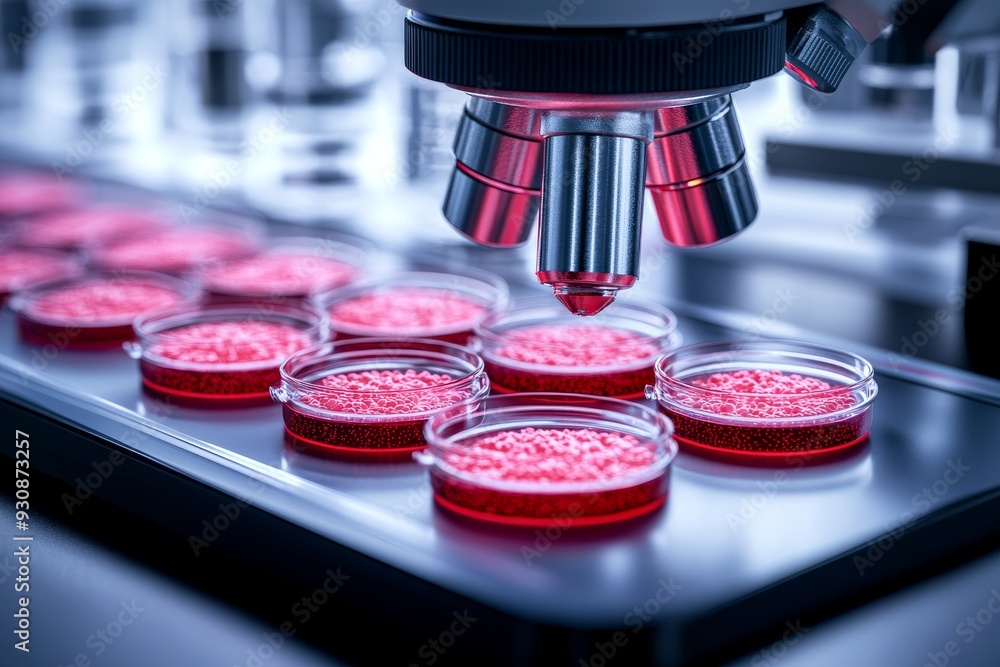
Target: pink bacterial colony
(384, 392)
(553, 455)
(23, 267)
(172, 251)
(75, 228)
(570, 345)
(286, 274)
(231, 342)
(406, 311)
(101, 302)
(769, 394)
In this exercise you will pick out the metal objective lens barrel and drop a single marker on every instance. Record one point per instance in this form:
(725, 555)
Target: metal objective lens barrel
(697, 173)
(495, 187)
(588, 245)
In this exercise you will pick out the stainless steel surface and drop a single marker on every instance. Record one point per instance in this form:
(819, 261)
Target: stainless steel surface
(840, 264)
(727, 531)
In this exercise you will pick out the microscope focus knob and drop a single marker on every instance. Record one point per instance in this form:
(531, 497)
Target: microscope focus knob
(822, 50)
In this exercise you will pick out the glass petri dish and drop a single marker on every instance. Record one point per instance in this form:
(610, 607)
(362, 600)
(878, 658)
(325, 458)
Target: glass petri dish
(25, 267)
(765, 400)
(370, 398)
(178, 250)
(417, 304)
(221, 355)
(77, 228)
(292, 268)
(536, 346)
(538, 459)
(31, 192)
(93, 310)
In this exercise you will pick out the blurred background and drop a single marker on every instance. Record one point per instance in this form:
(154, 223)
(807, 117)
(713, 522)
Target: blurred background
(879, 221)
(301, 112)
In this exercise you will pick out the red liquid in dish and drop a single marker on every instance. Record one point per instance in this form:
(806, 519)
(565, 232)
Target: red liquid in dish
(558, 357)
(192, 364)
(278, 274)
(76, 228)
(419, 312)
(27, 194)
(92, 314)
(365, 402)
(770, 396)
(172, 251)
(23, 268)
(598, 464)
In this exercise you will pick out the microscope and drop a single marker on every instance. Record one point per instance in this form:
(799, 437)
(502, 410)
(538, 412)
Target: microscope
(576, 107)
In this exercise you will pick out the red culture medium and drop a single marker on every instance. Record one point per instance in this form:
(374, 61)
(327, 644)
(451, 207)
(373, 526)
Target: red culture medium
(92, 312)
(574, 347)
(770, 412)
(371, 398)
(537, 347)
(173, 251)
(487, 463)
(550, 456)
(406, 311)
(21, 268)
(77, 228)
(220, 356)
(440, 306)
(28, 193)
(279, 273)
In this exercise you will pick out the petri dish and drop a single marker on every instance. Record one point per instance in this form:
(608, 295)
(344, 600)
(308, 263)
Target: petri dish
(288, 268)
(370, 398)
(538, 459)
(417, 304)
(536, 346)
(178, 250)
(93, 310)
(25, 267)
(765, 400)
(221, 355)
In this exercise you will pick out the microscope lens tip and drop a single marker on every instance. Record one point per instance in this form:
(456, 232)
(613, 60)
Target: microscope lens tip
(585, 303)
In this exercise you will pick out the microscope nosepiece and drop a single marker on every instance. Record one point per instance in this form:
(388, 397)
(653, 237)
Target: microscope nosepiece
(495, 187)
(697, 174)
